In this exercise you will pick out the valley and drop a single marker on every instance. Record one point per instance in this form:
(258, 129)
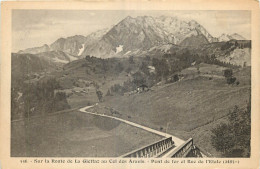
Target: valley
(180, 81)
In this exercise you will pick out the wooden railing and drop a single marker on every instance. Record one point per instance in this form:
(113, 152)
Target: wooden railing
(152, 150)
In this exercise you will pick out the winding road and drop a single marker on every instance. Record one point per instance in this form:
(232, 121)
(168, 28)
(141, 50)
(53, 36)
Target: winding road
(177, 141)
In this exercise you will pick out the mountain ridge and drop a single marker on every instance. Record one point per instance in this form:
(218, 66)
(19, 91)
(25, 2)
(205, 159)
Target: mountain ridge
(134, 35)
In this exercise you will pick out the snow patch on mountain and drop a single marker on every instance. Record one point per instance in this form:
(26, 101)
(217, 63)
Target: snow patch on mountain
(60, 60)
(119, 49)
(127, 52)
(81, 49)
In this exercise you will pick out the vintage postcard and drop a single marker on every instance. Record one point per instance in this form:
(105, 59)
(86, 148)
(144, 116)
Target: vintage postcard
(154, 84)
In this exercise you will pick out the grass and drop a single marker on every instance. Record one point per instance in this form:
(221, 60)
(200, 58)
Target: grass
(189, 108)
(75, 134)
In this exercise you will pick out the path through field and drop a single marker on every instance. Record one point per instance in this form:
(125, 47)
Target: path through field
(177, 141)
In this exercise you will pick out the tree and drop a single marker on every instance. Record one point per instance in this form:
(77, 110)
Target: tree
(99, 95)
(128, 70)
(87, 57)
(131, 60)
(147, 58)
(161, 67)
(108, 93)
(233, 138)
(175, 78)
(231, 80)
(144, 68)
(105, 66)
(119, 67)
(228, 73)
(138, 79)
(222, 138)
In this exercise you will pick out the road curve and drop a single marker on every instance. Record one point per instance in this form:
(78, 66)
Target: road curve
(177, 141)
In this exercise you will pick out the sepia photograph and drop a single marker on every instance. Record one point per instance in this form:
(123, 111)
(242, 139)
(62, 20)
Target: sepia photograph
(131, 83)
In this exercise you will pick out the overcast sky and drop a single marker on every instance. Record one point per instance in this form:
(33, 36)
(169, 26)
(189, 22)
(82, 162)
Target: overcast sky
(33, 28)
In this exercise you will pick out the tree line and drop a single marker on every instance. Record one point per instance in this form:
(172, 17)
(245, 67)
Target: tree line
(37, 99)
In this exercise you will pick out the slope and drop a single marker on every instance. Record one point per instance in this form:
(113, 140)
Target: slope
(183, 107)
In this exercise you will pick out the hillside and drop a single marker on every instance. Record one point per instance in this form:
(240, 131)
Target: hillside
(57, 57)
(24, 65)
(188, 93)
(236, 52)
(74, 134)
(194, 41)
(190, 107)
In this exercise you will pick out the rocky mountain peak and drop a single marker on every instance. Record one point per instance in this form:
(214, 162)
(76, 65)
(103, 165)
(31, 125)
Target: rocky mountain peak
(135, 34)
(226, 37)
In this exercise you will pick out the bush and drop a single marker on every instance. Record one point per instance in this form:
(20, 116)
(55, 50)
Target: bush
(128, 70)
(233, 139)
(108, 93)
(99, 95)
(138, 79)
(119, 68)
(161, 67)
(228, 73)
(173, 79)
(131, 60)
(231, 80)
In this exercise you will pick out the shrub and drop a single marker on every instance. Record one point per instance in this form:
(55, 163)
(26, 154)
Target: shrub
(108, 93)
(231, 80)
(99, 95)
(128, 70)
(119, 68)
(131, 60)
(228, 73)
(233, 139)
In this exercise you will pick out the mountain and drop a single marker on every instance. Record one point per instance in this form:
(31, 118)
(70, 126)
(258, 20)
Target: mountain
(67, 49)
(227, 37)
(195, 41)
(93, 40)
(36, 50)
(57, 57)
(132, 36)
(61, 51)
(237, 36)
(71, 45)
(143, 33)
